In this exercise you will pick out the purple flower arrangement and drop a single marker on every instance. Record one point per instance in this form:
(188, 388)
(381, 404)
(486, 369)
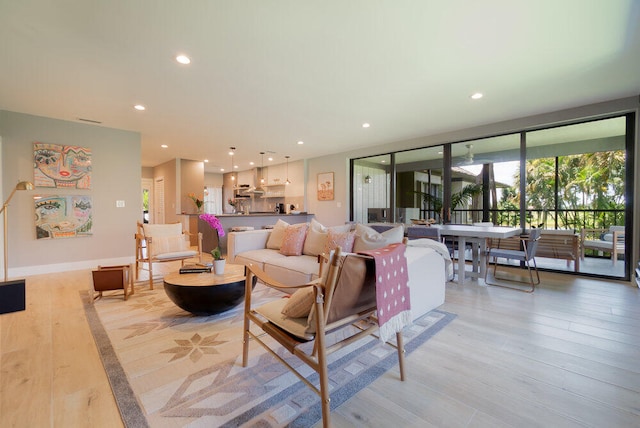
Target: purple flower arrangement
(214, 222)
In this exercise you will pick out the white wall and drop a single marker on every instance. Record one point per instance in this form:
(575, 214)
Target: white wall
(116, 175)
(212, 179)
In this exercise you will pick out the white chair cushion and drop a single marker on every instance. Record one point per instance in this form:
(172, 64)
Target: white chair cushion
(176, 255)
(168, 244)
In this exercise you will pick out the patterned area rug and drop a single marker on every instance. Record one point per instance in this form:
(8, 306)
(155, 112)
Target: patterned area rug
(169, 368)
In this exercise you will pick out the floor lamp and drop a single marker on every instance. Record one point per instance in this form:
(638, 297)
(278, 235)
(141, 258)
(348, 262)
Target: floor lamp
(22, 185)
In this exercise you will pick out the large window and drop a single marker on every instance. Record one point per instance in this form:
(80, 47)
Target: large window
(572, 178)
(372, 189)
(419, 185)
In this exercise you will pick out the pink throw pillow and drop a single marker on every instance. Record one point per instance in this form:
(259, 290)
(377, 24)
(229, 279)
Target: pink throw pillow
(344, 240)
(293, 240)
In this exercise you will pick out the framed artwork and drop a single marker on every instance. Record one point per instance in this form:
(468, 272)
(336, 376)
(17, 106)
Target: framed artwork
(61, 166)
(325, 186)
(66, 216)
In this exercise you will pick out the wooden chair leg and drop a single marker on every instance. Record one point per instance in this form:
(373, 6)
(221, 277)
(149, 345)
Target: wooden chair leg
(247, 322)
(400, 344)
(150, 275)
(324, 391)
(323, 373)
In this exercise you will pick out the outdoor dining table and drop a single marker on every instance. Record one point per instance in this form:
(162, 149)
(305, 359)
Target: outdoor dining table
(478, 236)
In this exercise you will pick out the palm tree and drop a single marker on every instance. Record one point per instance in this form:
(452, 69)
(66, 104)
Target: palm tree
(463, 197)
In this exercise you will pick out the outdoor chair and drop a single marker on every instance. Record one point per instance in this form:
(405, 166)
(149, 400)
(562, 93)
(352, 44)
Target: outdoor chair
(343, 298)
(157, 243)
(526, 255)
(605, 240)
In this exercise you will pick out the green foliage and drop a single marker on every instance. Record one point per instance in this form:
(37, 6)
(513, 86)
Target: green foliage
(216, 253)
(145, 199)
(590, 181)
(463, 197)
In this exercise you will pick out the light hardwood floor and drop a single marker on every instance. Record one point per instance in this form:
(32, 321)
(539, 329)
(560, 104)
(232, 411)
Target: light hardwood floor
(566, 356)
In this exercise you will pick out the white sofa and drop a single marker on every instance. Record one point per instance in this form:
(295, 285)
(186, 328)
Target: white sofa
(426, 267)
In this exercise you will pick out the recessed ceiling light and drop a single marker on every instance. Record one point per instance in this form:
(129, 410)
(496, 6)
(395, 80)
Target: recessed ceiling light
(139, 107)
(270, 158)
(206, 160)
(476, 96)
(250, 163)
(183, 59)
(235, 166)
(301, 142)
(365, 125)
(383, 161)
(164, 146)
(221, 169)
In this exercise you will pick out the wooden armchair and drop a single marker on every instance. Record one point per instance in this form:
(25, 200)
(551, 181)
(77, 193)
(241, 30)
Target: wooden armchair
(343, 296)
(156, 243)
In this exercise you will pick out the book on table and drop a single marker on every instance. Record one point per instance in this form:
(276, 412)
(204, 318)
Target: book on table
(197, 268)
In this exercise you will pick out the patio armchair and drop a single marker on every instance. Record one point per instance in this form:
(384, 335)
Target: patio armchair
(605, 240)
(527, 255)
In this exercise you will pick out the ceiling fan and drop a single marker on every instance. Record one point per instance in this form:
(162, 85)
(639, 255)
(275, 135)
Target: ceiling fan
(468, 157)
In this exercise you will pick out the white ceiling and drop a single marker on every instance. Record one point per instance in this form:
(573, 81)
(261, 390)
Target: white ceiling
(266, 74)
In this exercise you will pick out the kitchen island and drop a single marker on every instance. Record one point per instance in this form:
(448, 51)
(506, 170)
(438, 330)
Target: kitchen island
(257, 220)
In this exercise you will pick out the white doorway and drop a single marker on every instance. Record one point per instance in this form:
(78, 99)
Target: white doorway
(158, 201)
(147, 200)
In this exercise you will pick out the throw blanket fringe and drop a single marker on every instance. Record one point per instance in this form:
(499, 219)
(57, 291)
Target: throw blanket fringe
(394, 325)
(392, 289)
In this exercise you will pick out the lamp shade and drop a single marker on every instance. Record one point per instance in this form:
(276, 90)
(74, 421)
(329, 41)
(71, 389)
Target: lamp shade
(24, 185)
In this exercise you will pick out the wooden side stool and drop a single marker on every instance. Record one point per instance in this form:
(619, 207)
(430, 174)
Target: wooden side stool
(113, 278)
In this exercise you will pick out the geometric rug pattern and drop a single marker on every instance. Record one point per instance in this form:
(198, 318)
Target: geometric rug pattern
(170, 368)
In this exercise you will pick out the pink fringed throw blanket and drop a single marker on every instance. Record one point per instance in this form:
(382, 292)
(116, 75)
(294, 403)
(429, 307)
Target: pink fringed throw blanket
(392, 289)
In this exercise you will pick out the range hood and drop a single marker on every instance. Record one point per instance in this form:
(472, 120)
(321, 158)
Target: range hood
(250, 180)
(256, 174)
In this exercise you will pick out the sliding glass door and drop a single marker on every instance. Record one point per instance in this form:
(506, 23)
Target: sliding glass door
(571, 180)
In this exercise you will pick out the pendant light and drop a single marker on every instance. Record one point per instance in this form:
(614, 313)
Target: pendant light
(287, 182)
(232, 152)
(262, 169)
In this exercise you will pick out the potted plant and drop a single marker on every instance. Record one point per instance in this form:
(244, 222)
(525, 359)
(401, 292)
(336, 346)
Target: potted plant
(218, 261)
(196, 200)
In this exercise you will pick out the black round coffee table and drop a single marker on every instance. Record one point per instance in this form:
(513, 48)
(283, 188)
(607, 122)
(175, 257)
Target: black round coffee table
(207, 293)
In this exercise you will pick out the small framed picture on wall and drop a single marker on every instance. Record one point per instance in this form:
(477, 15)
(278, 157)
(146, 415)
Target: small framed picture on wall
(325, 186)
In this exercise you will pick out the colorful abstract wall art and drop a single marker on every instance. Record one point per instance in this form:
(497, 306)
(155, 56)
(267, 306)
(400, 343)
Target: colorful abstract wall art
(67, 216)
(61, 166)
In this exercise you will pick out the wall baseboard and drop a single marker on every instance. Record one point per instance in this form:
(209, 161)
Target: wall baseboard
(63, 267)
